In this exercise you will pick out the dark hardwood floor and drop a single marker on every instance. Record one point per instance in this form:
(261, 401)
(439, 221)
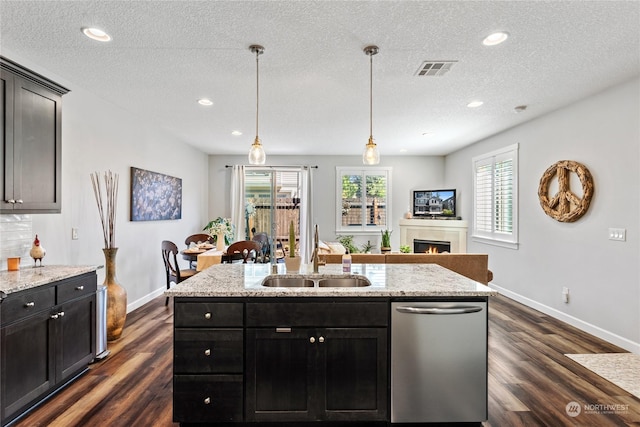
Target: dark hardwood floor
(530, 379)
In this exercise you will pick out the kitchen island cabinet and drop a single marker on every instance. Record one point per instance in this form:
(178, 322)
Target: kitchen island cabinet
(31, 155)
(48, 338)
(308, 354)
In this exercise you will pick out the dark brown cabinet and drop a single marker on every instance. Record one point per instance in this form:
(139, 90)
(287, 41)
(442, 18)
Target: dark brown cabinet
(48, 338)
(326, 361)
(31, 156)
(208, 362)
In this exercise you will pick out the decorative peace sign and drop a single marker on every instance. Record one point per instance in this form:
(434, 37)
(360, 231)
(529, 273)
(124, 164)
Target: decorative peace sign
(565, 206)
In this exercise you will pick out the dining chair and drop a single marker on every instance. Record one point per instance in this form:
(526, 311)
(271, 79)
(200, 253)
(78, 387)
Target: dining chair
(197, 238)
(171, 267)
(244, 248)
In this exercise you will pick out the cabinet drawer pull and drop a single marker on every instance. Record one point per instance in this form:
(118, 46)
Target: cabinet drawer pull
(54, 316)
(30, 304)
(321, 339)
(207, 315)
(19, 201)
(61, 314)
(207, 352)
(207, 400)
(11, 201)
(80, 288)
(312, 340)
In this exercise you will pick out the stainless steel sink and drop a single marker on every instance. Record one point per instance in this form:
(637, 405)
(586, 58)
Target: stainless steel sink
(288, 282)
(344, 282)
(306, 282)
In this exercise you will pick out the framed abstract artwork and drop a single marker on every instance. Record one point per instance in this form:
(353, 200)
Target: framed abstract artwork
(155, 196)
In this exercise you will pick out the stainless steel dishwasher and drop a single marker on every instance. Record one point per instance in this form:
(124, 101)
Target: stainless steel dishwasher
(438, 361)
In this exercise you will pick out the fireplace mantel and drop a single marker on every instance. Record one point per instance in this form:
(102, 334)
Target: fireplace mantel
(449, 230)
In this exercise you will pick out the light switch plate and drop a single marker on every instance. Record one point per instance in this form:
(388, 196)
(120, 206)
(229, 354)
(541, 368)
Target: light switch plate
(74, 234)
(619, 234)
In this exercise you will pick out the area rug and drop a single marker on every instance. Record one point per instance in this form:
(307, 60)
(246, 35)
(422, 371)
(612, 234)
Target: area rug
(622, 369)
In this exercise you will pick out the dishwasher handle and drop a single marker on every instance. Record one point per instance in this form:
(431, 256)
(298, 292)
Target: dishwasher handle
(439, 310)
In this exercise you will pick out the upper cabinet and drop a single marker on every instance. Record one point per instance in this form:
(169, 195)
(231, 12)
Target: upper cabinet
(31, 156)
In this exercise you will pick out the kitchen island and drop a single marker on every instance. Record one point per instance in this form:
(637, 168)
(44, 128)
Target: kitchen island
(245, 353)
(47, 333)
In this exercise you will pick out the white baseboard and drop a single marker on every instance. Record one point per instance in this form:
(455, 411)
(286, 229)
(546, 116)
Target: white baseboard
(608, 336)
(145, 299)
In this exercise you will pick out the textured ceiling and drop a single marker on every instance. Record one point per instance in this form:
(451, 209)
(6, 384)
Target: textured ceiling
(314, 76)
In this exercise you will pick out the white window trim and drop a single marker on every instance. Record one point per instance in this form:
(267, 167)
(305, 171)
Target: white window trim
(496, 238)
(363, 229)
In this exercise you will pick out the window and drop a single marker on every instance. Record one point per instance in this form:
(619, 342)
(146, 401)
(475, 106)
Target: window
(495, 198)
(363, 199)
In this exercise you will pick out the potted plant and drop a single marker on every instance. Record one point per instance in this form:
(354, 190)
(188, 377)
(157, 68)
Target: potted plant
(347, 242)
(292, 261)
(405, 249)
(385, 244)
(366, 247)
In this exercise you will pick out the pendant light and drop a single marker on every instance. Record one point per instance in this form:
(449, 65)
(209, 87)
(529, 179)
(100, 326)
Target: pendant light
(256, 153)
(371, 155)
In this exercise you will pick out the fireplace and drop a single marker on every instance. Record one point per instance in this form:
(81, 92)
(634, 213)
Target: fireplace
(451, 231)
(421, 246)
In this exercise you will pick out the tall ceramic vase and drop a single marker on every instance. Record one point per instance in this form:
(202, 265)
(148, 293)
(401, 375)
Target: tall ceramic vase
(220, 242)
(116, 297)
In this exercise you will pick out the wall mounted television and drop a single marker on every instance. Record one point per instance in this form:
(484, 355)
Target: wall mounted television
(434, 203)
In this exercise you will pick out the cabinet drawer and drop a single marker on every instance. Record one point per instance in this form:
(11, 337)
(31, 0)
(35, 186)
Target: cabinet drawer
(338, 314)
(207, 398)
(207, 351)
(208, 314)
(22, 304)
(76, 287)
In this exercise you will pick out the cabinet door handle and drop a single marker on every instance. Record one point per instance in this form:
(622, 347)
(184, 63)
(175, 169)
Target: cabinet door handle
(19, 201)
(61, 314)
(207, 352)
(207, 315)
(30, 304)
(321, 339)
(11, 201)
(207, 400)
(54, 316)
(80, 288)
(312, 340)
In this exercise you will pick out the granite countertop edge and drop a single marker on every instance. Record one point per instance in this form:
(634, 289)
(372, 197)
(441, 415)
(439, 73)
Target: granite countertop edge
(31, 277)
(387, 281)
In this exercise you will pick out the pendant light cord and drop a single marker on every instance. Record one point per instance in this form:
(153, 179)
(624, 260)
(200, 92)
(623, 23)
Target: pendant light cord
(370, 95)
(257, 89)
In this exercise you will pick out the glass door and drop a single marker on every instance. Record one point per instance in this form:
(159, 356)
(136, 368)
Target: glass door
(272, 200)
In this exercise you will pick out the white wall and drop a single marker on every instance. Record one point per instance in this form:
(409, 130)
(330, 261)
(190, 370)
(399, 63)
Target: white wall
(603, 133)
(409, 173)
(96, 137)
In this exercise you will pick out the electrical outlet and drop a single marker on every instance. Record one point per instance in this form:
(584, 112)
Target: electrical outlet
(618, 234)
(565, 295)
(74, 234)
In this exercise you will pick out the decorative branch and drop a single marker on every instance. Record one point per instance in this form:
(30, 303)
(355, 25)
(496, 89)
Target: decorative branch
(108, 217)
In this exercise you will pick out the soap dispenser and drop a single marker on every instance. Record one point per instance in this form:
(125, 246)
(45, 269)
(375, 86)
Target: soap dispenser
(346, 262)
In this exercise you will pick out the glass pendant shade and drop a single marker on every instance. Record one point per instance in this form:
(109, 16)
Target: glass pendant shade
(256, 153)
(371, 155)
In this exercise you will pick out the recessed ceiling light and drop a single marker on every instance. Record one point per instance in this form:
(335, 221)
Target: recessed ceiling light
(495, 38)
(204, 101)
(520, 108)
(474, 104)
(236, 133)
(96, 34)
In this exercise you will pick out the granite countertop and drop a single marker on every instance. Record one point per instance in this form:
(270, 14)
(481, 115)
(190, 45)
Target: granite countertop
(31, 277)
(387, 280)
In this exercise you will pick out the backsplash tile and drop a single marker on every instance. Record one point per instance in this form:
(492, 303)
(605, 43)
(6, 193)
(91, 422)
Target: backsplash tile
(16, 235)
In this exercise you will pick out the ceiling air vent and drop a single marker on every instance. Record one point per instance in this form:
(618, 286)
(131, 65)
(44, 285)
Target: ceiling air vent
(434, 68)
